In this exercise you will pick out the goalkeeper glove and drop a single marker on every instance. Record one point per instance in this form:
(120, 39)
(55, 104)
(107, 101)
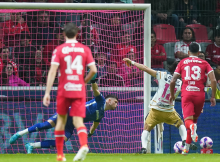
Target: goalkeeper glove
(90, 134)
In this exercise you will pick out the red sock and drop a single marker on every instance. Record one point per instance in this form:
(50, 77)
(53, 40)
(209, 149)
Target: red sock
(82, 134)
(188, 123)
(188, 138)
(59, 141)
(195, 121)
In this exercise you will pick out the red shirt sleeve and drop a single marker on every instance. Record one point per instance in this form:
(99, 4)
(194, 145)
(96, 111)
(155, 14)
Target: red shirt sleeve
(55, 57)
(89, 58)
(178, 68)
(209, 51)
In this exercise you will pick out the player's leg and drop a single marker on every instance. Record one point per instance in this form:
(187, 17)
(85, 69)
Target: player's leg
(188, 112)
(46, 143)
(62, 110)
(78, 111)
(173, 118)
(149, 124)
(37, 127)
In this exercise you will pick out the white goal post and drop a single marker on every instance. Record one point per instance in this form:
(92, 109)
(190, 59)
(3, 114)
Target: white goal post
(104, 6)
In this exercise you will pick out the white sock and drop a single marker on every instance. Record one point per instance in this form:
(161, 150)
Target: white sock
(144, 138)
(183, 132)
(36, 144)
(23, 132)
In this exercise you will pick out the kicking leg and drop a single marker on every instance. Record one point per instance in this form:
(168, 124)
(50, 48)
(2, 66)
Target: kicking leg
(37, 127)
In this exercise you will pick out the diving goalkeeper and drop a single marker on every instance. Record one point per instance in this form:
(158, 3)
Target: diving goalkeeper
(94, 112)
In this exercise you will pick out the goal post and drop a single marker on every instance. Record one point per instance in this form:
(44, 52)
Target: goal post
(94, 6)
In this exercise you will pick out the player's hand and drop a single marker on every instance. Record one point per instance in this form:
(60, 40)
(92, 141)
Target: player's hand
(90, 134)
(127, 61)
(171, 99)
(46, 100)
(213, 102)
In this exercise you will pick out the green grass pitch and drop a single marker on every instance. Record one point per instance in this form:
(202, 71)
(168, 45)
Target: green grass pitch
(113, 158)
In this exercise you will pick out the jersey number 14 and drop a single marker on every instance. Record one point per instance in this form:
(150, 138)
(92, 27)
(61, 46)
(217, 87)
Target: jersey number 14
(75, 65)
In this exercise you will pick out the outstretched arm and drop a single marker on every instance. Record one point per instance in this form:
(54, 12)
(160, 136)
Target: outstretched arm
(172, 87)
(93, 128)
(95, 89)
(141, 67)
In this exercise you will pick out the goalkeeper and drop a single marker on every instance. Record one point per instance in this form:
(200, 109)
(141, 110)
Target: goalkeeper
(161, 111)
(94, 112)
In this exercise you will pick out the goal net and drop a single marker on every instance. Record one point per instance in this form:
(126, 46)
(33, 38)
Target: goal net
(28, 38)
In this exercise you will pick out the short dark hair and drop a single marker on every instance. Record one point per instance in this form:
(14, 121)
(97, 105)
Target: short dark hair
(172, 67)
(153, 32)
(111, 96)
(193, 33)
(194, 47)
(70, 30)
(217, 33)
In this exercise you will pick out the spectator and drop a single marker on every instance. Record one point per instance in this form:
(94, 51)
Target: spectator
(42, 31)
(158, 54)
(23, 56)
(121, 50)
(182, 47)
(162, 12)
(63, 18)
(13, 28)
(213, 50)
(138, 36)
(83, 33)
(48, 49)
(132, 76)
(101, 63)
(186, 11)
(111, 79)
(112, 33)
(9, 79)
(38, 70)
(5, 57)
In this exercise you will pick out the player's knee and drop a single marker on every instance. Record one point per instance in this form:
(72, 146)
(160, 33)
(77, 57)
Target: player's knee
(179, 123)
(78, 122)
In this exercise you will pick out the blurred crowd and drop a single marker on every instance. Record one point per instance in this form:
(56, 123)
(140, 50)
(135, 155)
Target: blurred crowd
(28, 38)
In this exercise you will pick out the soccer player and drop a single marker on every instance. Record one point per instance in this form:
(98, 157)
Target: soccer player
(95, 109)
(161, 111)
(71, 58)
(193, 72)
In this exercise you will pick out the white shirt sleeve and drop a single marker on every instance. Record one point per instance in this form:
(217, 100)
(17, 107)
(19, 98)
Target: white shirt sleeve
(160, 75)
(177, 47)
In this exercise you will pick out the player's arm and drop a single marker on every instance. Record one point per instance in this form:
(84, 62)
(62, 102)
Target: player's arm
(141, 67)
(211, 76)
(92, 72)
(172, 87)
(50, 81)
(93, 128)
(95, 89)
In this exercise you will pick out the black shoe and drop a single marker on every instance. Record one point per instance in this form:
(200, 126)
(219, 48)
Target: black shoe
(191, 147)
(143, 151)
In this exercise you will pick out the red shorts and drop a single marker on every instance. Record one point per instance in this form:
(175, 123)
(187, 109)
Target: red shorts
(192, 105)
(78, 107)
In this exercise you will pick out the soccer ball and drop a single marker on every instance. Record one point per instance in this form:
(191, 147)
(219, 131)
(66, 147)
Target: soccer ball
(178, 147)
(206, 142)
